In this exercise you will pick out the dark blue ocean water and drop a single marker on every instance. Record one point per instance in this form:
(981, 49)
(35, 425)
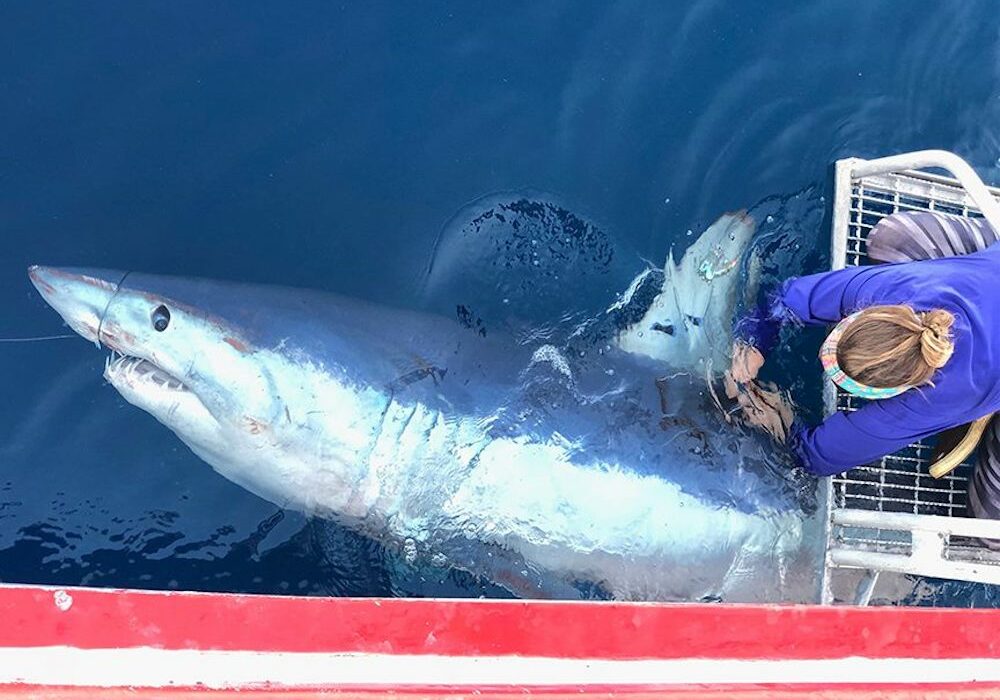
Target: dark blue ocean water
(327, 144)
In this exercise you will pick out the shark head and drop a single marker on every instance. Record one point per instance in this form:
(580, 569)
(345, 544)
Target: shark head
(688, 324)
(208, 359)
(177, 361)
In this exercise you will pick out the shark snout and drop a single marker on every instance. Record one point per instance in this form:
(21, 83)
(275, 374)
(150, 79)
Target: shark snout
(80, 295)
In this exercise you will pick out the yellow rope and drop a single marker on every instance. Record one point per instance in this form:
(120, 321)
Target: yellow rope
(963, 449)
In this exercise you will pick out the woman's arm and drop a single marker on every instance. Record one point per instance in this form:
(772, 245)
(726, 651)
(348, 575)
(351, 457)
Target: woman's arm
(818, 299)
(846, 440)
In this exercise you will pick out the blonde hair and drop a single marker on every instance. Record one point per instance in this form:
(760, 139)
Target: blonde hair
(893, 345)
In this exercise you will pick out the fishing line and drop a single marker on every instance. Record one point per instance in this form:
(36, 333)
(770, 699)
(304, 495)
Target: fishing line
(100, 322)
(38, 338)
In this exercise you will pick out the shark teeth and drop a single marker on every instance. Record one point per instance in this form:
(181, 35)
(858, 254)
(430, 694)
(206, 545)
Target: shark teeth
(136, 369)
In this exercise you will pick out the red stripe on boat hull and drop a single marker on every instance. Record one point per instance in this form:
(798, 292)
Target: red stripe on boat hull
(108, 619)
(844, 692)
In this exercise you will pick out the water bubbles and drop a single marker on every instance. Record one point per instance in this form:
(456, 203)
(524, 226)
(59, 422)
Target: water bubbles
(506, 300)
(409, 550)
(770, 219)
(998, 162)
(667, 200)
(609, 372)
(690, 232)
(639, 334)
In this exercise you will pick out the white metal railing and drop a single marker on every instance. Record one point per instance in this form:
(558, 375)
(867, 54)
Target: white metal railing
(892, 515)
(928, 554)
(919, 160)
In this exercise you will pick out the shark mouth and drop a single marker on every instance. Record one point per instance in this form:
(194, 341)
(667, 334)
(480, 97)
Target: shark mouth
(136, 370)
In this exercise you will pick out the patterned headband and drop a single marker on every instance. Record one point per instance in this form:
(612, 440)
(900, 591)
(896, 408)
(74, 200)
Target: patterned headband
(828, 356)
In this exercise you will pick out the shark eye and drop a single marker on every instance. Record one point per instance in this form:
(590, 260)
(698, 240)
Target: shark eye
(694, 320)
(161, 318)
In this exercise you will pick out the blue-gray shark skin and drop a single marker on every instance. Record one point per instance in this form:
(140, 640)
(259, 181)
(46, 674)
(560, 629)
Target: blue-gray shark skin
(688, 324)
(416, 431)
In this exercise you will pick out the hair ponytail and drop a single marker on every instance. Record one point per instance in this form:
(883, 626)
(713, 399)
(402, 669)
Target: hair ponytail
(936, 345)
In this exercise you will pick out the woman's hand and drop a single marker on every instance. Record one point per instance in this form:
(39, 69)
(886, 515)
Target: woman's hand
(762, 407)
(768, 409)
(747, 361)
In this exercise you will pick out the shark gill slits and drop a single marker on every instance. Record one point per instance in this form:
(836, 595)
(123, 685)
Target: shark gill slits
(668, 328)
(161, 318)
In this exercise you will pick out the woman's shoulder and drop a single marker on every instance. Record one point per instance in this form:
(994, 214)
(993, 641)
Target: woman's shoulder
(962, 281)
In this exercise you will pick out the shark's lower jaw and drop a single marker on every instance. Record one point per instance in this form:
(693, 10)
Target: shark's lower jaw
(138, 372)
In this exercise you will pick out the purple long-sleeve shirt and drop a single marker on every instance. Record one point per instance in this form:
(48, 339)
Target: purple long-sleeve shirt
(966, 388)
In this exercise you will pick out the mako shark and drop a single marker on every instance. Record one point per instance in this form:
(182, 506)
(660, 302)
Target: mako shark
(423, 435)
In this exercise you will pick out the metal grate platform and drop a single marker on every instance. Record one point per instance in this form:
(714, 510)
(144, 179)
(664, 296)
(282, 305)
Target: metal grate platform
(899, 483)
